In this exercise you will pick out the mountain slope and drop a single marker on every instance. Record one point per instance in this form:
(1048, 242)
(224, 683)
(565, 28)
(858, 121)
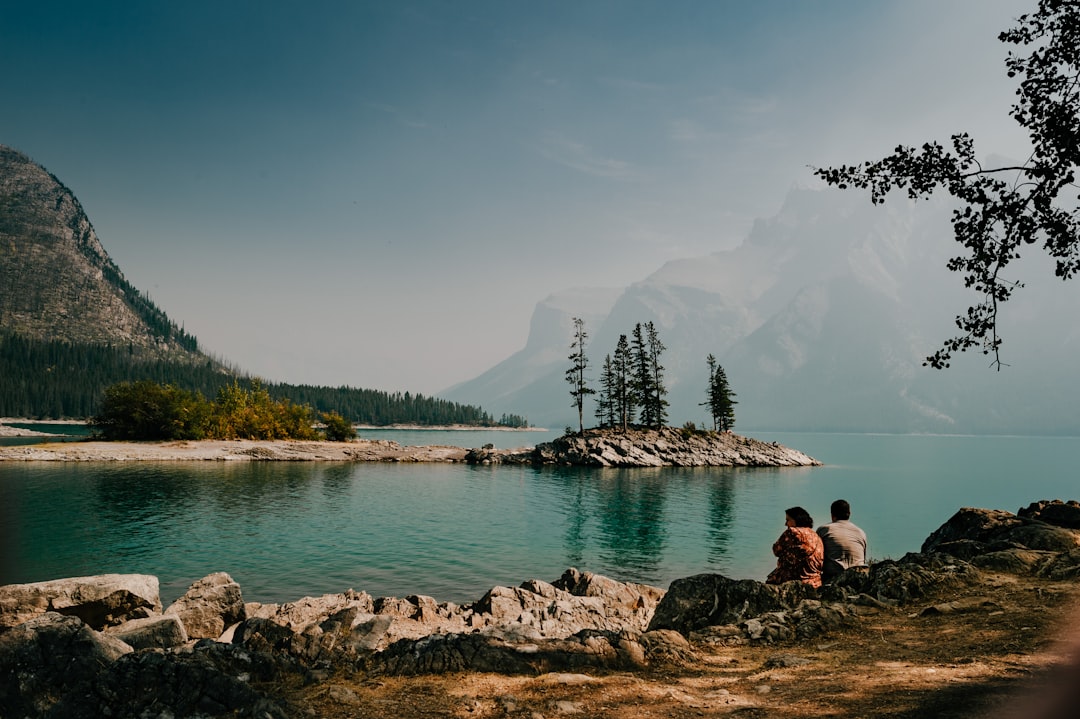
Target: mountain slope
(57, 281)
(821, 319)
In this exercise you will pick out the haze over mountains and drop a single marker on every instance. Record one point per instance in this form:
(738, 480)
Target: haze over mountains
(821, 318)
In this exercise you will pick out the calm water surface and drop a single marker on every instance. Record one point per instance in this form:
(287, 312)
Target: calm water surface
(286, 530)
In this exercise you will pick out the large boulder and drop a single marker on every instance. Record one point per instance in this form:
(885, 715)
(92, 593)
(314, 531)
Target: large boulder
(43, 658)
(705, 600)
(210, 680)
(971, 531)
(1056, 512)
(310, 610)
(209, 606)
(100, 601)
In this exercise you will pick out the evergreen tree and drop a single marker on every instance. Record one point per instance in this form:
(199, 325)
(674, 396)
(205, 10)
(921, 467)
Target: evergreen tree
(712, 395)
(605, 399)
(727, 401)
(641, 382)
(575, 374)
(720, 397)
(623, 367)
(660, 404)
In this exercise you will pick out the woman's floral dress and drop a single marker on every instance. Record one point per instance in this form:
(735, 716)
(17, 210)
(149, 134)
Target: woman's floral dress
(799, 557)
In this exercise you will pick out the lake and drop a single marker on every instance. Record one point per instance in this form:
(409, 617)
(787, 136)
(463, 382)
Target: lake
(286, 530)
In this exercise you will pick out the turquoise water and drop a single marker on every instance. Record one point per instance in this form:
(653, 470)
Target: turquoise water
(286, 530)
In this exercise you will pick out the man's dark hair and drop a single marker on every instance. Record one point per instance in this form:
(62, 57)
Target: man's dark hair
(840, 509)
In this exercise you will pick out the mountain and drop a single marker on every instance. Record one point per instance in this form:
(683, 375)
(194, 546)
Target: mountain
(821, 319)
(57, 281)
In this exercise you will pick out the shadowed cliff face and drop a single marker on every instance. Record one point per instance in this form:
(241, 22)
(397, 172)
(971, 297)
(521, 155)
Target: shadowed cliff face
(57, 281)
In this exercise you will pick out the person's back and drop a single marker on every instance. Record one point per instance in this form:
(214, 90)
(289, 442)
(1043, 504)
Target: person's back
(845, 543)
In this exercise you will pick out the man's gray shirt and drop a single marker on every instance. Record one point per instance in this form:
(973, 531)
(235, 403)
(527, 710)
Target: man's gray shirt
(845, 546)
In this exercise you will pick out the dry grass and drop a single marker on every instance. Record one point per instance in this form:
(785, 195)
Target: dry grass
(895, 663)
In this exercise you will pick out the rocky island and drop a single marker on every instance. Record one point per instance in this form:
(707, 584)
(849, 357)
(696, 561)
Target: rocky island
(957, 629)
(667, 447)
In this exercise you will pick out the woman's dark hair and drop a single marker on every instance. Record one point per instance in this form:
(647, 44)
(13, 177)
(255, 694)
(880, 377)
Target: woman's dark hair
(801, 516)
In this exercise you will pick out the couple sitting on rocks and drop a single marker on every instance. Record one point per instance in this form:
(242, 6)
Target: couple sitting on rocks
(812, 557)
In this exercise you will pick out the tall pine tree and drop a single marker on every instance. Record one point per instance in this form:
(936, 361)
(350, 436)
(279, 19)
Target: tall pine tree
(575, 374)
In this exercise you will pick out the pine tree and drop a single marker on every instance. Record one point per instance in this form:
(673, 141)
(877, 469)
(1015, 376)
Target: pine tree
(625, 404)
(656, 348)
(575, 374)
(605, 399)
(712, 396)
(641, 382)
(724, 413)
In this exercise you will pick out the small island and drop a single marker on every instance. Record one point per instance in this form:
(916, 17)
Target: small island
(666, 447)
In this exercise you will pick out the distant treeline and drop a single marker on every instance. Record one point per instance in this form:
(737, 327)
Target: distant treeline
(52, 379)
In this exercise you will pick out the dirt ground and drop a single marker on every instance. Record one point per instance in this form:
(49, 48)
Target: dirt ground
(990, 653)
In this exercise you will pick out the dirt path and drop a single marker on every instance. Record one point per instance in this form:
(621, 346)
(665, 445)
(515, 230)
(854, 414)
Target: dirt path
(965, 659)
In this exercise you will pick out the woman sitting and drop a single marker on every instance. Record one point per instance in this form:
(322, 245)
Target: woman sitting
(799, 552)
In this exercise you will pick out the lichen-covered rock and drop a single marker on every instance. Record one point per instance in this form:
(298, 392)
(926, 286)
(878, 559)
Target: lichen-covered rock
(100, 601)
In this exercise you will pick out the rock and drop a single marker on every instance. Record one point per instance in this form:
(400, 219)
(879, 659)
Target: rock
(311, 610)
(444, 653)
(785, 661)
(212, 679)
(639, 447)
(100, 601)
(712, 599)
(1056, 512)
(44, 658)
(159, 632)
(989, 526)
(666, 645)
(1014, 560)
(1063, 566)
(209, 605)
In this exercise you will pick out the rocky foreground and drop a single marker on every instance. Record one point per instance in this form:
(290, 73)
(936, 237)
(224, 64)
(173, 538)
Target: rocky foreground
(595, 448)
(105, 646)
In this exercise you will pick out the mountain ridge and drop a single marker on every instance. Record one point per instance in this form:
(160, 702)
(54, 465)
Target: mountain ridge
(822, 319)
(59, 282)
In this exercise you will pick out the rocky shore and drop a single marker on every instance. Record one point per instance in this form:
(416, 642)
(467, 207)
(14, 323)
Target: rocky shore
(105, 646)
(595, 448)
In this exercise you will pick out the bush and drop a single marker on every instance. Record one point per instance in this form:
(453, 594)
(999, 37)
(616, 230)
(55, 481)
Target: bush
(148, 410)
(337, 428)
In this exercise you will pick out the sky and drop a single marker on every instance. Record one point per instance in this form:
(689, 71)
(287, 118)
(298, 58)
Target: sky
(377, 194)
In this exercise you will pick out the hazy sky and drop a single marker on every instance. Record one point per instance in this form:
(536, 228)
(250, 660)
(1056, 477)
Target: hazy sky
(378, 193)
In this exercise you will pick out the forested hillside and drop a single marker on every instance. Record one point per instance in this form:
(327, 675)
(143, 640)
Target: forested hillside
(53, 379)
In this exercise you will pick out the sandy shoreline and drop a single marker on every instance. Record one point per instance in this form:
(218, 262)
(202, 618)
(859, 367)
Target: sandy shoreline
(231, 451)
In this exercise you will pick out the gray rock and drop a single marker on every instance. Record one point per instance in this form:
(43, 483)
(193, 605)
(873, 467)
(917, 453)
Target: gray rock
(209, 605)
(100, 601)
(162, 632)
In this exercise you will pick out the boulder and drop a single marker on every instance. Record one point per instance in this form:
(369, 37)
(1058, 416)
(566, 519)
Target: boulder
(311, 610)
(1056, 512)
(161, 632)
(45, 657)
(210, 680)
(100, 601)
(704, 600)
(443, 653)
(209, 606)
(994, 527)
